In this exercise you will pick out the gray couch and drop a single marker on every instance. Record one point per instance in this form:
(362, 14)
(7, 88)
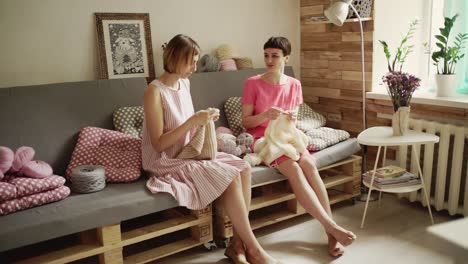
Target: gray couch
(49, 117)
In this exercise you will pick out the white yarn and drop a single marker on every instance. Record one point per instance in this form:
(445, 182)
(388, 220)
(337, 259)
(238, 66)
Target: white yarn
(88, 178)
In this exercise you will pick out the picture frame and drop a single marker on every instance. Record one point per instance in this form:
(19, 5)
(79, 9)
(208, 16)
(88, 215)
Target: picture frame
(124, 45)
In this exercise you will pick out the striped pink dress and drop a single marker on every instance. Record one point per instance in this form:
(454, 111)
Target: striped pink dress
(193, 183)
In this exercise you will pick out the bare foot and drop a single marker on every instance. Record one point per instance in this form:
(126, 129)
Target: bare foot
(342, 235)
(260, 257)
(236, 252)
(334, 248)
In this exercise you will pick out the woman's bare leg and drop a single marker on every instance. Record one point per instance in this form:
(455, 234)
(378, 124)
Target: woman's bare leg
(311, 202)
(316, 182)
(234, 204)
(236, 249)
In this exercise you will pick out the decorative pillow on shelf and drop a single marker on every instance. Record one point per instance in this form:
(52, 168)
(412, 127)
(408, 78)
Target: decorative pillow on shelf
(233, 112)
(307, 119)
(118, 153)
(129, 120)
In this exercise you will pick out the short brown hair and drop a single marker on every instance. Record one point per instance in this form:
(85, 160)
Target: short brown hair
(281, 43)
(180, 49)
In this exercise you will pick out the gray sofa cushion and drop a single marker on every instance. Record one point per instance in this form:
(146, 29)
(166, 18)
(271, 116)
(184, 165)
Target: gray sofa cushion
(330, 155)
(79, 212)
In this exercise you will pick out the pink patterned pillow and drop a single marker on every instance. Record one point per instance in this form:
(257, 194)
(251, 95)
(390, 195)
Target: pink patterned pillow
(7, 191)
(27, 186)
(118, 153)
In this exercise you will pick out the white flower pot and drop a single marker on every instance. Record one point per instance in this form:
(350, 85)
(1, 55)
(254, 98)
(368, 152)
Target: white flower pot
(445, 84)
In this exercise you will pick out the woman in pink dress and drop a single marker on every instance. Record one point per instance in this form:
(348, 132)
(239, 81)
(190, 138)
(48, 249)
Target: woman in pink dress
(169, 124)
(264, 98)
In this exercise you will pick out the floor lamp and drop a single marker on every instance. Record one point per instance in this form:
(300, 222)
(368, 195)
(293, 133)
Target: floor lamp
(337, 14)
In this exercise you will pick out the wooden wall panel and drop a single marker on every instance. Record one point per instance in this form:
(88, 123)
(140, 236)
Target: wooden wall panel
(332, 81)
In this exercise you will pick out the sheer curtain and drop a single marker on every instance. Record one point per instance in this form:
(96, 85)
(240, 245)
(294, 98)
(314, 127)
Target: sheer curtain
(459, 7)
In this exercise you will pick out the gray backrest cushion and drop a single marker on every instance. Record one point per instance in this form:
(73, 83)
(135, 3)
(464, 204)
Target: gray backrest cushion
(49, 117)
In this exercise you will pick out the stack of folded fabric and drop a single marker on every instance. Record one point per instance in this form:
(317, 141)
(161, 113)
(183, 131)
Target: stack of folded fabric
(20, 193)
(26, 183)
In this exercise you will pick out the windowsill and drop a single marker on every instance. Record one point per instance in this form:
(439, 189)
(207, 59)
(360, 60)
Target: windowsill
(426, 98)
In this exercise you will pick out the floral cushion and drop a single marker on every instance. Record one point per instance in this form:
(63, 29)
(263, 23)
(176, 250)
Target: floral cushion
(233, 112)
(129, 120)
(118, 153)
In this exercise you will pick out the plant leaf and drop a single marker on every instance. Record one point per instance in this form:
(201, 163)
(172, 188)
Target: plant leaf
(441, 39)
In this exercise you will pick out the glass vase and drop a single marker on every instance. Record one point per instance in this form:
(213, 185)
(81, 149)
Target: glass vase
(400, 120)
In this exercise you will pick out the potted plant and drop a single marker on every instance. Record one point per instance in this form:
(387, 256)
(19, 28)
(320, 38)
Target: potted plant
(446, 57)
(400, 85)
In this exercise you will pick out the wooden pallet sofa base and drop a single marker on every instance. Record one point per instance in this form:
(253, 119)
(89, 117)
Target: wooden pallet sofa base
(274, 201)
(113, 244)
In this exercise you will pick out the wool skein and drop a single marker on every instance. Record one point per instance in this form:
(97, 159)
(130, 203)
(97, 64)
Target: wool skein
(208, 63)
(228, 65)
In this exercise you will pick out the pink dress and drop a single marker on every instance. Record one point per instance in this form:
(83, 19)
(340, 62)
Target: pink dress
(193, 183)
(263, 96)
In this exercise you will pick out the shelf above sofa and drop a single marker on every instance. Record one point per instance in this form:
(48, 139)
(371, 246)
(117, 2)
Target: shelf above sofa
(310, 22)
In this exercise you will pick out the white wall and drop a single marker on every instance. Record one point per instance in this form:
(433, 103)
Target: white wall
(392, 19)
(51, 41)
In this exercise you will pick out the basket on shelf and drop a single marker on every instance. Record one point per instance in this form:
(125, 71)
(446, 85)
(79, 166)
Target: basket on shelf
(363, 7)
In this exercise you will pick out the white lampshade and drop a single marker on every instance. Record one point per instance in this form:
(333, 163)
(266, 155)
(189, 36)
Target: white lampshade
(337, 12)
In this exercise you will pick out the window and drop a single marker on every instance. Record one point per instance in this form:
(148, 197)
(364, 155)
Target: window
(392, 19)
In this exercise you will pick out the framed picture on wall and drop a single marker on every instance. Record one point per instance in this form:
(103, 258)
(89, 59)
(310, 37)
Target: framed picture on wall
(124, 45)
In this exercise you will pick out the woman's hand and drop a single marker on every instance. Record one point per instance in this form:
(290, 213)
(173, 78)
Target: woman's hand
(214, 113)
(292, 115)
(273, 113)
(202, 117)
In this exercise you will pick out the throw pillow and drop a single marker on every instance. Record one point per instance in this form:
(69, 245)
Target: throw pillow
(118, 153)
(233, 113)
(129, 120)
(307, 119)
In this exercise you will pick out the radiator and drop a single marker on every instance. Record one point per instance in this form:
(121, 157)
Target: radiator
(444, 166)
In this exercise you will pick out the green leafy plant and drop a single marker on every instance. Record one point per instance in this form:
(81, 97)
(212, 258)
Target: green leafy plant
(448, 56)
(402, 51)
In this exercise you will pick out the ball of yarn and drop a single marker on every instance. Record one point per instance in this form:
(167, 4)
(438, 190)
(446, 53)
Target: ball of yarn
(88, 178)
(228, 65)
(223, 130)
(224, 52)
(208, 63)
(23, 155)
(6, 159)
(36, 169)
(243, 63)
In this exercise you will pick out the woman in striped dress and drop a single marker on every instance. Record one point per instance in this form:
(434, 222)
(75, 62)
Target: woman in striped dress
(169, 123)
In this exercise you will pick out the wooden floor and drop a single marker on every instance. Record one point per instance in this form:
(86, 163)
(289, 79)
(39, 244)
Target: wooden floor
(394, 233)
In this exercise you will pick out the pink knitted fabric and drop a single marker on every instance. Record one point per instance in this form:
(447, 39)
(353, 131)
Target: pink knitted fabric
(36, 169)
(6, 159)
(23, 155)
(228, 65)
